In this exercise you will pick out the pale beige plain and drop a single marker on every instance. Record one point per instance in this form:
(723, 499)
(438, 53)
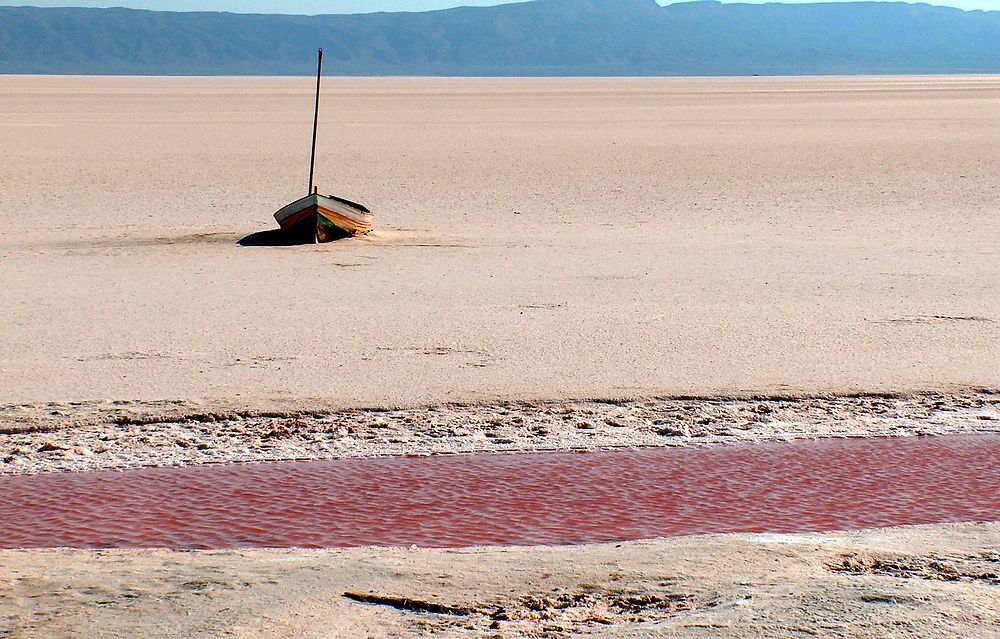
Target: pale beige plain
(538, 238)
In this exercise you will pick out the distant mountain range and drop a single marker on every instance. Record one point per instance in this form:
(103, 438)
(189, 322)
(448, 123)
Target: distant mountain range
(544, 37)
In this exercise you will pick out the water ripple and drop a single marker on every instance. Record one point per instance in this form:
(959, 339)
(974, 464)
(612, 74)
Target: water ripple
(524, 499)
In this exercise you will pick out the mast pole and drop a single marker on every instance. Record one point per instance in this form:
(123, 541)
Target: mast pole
(312, 157)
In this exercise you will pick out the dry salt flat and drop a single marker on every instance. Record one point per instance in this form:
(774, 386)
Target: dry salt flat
(537, 239)
(557, 263)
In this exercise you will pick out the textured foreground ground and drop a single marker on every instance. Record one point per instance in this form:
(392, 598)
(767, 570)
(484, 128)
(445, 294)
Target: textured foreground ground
(97, 435)
(941, 581)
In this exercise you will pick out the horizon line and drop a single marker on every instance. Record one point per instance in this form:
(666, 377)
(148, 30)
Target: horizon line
(499, 4)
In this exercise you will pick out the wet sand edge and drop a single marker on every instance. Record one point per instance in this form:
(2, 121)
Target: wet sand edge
(82, 436)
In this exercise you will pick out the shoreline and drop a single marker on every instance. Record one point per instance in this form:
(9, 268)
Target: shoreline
(104, 436)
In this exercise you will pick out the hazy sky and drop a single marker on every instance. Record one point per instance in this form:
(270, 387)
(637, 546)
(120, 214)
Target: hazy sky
(340, 6)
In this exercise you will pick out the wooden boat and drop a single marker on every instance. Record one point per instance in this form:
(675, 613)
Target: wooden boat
(322, 218)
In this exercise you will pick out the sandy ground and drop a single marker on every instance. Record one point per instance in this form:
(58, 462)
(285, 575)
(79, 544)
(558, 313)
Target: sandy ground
(802, 257)
(537, 239)
(937, 581)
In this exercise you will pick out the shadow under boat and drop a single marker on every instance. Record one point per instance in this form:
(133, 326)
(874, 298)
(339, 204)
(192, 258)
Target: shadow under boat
(273, 237)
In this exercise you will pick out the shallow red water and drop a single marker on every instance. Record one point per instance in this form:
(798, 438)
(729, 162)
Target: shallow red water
(546, 498)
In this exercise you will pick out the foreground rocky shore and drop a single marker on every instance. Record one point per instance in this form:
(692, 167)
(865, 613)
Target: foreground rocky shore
(101, 435)
(931, 581)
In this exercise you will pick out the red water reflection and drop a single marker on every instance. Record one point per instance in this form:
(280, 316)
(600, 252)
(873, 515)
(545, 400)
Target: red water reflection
(548, 498)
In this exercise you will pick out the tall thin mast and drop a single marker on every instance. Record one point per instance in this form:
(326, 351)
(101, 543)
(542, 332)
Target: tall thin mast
(312, 157)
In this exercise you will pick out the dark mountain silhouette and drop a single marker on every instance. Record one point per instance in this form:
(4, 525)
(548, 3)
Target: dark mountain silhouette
(544, 37)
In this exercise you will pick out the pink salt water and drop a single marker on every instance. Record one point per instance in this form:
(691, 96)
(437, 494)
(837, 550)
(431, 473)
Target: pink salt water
(524, 499)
